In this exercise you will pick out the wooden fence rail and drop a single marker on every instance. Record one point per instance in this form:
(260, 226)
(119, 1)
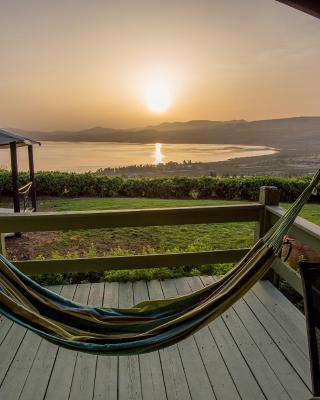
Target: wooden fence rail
(265, 213)
(304, 231)
(53, 221)
(100, 264)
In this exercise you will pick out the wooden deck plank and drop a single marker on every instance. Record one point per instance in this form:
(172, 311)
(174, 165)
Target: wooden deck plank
(106, 380)
(242, 376)
(17, 373)
(19, 369)
(5, 325)
(191, 354)
(218, 373)
(40, 372)
(82, 387)
(173, 372)
(129, 369)
(250, 353)
(152, 381)
(284, 371)
(198, 381)
(287, 375)
(267, 379)
(9, 348)
(281, 337)
(286, 314)
(62, 374)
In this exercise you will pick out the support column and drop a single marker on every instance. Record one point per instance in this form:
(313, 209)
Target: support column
(3, 244)
(32, 178)
(14, 174)
(268, 196)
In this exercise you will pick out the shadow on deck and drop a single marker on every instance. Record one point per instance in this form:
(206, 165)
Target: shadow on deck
(256, 350)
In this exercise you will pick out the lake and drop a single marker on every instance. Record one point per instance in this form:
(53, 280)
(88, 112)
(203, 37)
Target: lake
(89, 156)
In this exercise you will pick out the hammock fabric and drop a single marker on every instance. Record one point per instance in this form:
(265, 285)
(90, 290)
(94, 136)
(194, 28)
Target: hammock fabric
(148, 326)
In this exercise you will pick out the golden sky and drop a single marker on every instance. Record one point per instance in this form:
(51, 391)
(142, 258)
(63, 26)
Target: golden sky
(74, 64)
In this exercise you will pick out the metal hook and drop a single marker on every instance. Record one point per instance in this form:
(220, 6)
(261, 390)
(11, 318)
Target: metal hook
(288, 242)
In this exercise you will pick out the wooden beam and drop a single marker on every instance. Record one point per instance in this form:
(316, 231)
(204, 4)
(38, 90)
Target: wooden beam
(32, 178)
(3, 244)
(305, 231)
(100, 264)
(288, 274)
(52, 221)
(14, 174)
(311, 7)
(268, 195)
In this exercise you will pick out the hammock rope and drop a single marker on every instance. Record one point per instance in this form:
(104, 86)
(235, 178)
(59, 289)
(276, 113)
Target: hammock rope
(150, 325)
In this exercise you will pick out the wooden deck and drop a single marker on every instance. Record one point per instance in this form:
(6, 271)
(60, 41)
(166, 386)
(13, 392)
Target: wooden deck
(257, 350)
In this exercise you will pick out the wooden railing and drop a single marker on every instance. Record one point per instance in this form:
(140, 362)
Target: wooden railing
(305, 232)
(54, 221)
(264, 213)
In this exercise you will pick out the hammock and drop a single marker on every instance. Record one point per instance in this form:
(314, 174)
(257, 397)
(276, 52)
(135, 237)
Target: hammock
(148, 326)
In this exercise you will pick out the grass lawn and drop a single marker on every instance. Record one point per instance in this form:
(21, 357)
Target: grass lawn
(123, 241)
(148, 239)
(311, 212)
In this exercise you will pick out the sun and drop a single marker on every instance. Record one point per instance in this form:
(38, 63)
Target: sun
(158, 97)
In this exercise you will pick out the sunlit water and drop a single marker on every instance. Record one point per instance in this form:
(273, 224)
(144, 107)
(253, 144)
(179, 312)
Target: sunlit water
(89, 156)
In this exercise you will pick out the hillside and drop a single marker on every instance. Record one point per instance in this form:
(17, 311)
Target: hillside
(298, 133)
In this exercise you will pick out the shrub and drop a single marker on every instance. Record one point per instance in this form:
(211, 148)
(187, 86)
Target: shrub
(89, 184)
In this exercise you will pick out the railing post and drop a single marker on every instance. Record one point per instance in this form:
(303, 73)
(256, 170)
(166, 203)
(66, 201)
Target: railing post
(2, 244)
(14, 175)
(32, 178)
(268, 196)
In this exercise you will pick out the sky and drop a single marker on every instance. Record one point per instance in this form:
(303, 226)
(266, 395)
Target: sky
(75, 64)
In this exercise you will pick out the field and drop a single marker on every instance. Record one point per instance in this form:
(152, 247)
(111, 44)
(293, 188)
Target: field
(125, 241)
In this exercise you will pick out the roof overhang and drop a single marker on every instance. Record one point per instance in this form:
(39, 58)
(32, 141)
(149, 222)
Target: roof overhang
(311, 7)
(7, 137)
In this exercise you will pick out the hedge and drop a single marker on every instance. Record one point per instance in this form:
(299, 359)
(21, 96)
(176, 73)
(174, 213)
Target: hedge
(88, 184)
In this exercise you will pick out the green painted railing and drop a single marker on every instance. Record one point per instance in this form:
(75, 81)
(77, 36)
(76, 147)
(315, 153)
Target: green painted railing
(306, 233)
(100, 264)
(53, 221)
(265, 213)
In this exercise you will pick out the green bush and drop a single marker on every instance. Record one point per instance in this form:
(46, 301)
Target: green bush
(88, 184)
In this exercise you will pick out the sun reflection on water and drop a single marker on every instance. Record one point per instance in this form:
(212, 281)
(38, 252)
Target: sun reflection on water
(158, 156)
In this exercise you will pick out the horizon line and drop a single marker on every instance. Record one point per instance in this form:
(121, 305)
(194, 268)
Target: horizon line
(10, 129)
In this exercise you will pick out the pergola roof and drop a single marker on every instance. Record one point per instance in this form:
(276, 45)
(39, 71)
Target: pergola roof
(311, 7)
(8, 137)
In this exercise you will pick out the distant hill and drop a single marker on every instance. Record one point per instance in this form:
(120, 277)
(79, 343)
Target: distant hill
(195, 124)
(298, 133)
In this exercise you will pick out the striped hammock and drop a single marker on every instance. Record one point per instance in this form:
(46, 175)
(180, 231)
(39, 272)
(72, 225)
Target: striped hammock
(147, 326)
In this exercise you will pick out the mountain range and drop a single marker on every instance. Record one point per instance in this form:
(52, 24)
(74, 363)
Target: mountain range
(296, 133)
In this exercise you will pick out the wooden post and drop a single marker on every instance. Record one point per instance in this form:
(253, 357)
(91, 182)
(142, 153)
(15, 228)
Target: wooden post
(268, 196)
(2, 244)
(32, 178)
(14, 174)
